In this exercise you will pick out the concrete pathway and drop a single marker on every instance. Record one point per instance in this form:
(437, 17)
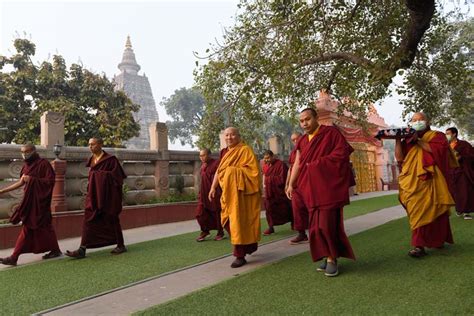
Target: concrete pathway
(141, 234)
(160, 289)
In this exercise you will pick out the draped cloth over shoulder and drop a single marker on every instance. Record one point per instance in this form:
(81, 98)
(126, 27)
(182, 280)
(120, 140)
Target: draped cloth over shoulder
(239, 179)
(37, 234)
(462, 178)
(101, 226)
(208, 212)
(277, 205)
(325, 177)
(424, 190)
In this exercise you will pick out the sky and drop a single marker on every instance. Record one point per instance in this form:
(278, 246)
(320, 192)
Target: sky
(164, 35)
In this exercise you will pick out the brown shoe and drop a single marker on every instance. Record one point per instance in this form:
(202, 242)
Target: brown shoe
(268, 231)
(78, 254)
(300, 239)
(238, 262)
(118, 250)
(202, 236)
(8, 261)
(52, 254)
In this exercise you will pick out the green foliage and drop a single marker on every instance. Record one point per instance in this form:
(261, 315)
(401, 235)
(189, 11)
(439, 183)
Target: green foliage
(172, 198)
(280, 54)
(88, 101)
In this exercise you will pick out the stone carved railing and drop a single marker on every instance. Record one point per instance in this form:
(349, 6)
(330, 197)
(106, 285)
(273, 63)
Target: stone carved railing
(150, 173)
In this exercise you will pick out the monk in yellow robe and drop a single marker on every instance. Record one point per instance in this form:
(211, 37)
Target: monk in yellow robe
(426, 160)
(238, 175)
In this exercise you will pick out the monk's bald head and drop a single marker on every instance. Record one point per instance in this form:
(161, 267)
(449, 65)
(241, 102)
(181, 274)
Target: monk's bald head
(232, 136)
(95, 145)
(295, 137)
(420, 116)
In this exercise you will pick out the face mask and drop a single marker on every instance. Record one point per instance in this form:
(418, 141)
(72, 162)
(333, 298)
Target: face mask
(27, 156)
(418, 125)
(449, 137)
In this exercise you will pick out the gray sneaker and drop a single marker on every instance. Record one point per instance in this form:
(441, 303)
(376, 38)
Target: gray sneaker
(322, 266)
(331, 269)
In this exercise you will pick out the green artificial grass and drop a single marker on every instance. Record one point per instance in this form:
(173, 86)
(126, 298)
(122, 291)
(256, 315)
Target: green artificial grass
(383, 281)
(32, 288)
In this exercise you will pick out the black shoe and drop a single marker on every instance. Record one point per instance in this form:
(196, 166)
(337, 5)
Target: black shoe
(118, 250)
(52, 254)
(78, 254)
(238, 262)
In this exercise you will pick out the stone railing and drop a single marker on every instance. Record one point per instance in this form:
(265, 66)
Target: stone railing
(151, 173)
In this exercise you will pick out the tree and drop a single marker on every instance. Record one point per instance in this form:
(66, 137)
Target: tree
(88, 101)
(186, 107)
(280, 54)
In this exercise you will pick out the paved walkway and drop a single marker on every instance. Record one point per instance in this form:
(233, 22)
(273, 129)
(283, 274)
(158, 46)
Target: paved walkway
(141, 234)
(157, 290)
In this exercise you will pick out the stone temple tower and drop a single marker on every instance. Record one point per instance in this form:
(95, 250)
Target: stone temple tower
(138, 89)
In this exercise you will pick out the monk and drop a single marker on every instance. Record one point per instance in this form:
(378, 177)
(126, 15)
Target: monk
(300, 212)
(238, 175)
(277, 205)
(425, 162)
(208, 213)
(101, 225)
(462, 178)
(37, 233)
(322, 174)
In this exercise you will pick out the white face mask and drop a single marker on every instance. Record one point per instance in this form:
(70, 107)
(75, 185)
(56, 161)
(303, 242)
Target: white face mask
(418, 125)
(449, 137)
(27, 156)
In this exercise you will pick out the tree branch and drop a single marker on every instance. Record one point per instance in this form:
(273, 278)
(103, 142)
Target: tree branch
(352, 58)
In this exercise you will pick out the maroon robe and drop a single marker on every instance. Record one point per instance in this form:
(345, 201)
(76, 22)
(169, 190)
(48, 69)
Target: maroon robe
(462, 178)
(277, 205)
(436, 233)
(300, 212)
(208, 213)
(101, 225)
(324, 180)
(37, 234)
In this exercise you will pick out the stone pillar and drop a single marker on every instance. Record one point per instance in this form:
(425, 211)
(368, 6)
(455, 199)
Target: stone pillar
(274, 144)
(197, 176)
(58, 202)
(52, 129)
(159, 142)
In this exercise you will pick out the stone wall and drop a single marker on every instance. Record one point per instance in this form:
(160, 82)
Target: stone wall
(152, 173)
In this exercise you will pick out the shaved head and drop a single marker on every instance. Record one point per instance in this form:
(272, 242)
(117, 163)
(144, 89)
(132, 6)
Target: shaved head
(232, 136)
(420, 116)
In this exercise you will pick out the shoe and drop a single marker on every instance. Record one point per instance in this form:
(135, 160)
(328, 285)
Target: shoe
(238, 262)
(467, 216)
(269, 231)
(52, 254)
(8, 261)
(331, 269)
(322, 266)
(417, 252)
(458, 214)
(202, 236)
(300, 239)
(118, 250)
(219, 237)
(78, 254)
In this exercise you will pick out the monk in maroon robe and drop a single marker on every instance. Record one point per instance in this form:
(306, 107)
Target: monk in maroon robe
(101, 225)
(322, 173)
(462, 177)
(277, 205)
(300, 212)
(423, 184)
(37, 233)
(208, 213)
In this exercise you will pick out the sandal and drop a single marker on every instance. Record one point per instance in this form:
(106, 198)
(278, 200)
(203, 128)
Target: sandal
(417, 252)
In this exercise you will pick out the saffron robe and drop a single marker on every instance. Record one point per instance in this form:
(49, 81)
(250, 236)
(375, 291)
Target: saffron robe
(101, 225)
(462, 178)
(277, 205)
(208, 213)
(300, 212)
(239, 177)
(37, 233)
(324, 180)
(424, 192)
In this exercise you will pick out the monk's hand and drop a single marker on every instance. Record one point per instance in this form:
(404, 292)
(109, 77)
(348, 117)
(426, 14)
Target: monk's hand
(212, 194)
(289, 192)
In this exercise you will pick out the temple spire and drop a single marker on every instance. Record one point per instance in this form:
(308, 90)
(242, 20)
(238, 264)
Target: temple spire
(129, 63)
